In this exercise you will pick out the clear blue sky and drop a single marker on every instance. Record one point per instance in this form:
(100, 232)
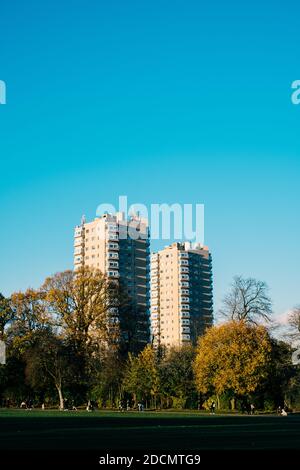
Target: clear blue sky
(164, 101)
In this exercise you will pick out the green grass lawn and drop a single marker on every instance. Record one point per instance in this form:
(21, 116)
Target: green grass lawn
(172, 431)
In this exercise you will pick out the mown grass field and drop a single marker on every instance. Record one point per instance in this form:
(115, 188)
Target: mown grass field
(45, 430)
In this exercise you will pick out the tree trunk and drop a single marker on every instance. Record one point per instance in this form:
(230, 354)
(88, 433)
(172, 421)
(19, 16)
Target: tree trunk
(61, 398)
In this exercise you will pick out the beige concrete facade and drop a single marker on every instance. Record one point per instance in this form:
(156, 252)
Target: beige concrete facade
(181, 294)
(119, 247)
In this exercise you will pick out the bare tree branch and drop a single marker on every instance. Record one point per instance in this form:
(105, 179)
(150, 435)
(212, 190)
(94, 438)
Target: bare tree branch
(247, 300)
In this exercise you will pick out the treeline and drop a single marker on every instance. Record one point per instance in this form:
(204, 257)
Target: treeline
(66, 347)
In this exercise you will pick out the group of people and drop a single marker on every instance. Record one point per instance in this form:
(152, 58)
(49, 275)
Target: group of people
(26, 405)
(282, 411)
(126, 406)
(248, 408)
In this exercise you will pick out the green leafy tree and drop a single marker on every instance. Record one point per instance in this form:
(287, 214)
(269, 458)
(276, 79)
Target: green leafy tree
(47, 362)
(177, 376)
(281, 371)
(142, 376)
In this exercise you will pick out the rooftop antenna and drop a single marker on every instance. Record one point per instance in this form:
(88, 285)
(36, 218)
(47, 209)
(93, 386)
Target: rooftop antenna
(83, 220)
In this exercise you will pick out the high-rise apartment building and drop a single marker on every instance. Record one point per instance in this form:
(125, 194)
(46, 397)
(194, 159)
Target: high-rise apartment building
(181, 294)
(119, 247)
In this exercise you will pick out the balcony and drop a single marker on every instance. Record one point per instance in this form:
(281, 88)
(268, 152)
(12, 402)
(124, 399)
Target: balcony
(113, 264)
(185, 337)
(183, 262)
(112, 236)
(112, 228)
(78, 241)
(185, 315)
(184, 307)
(113, 246)
(113, 310)
(78, 251)
(184, 284)
(154, 263)
(112, 255)
(185, 329)
(184, 292)
(114, 320)
(113, 274)
(183, 269)
(78, 232)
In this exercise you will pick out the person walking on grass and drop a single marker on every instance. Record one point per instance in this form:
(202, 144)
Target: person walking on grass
(212, 407)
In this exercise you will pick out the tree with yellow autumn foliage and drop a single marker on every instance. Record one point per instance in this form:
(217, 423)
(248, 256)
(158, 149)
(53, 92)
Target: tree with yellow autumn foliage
(232, 358)
(81, 302)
